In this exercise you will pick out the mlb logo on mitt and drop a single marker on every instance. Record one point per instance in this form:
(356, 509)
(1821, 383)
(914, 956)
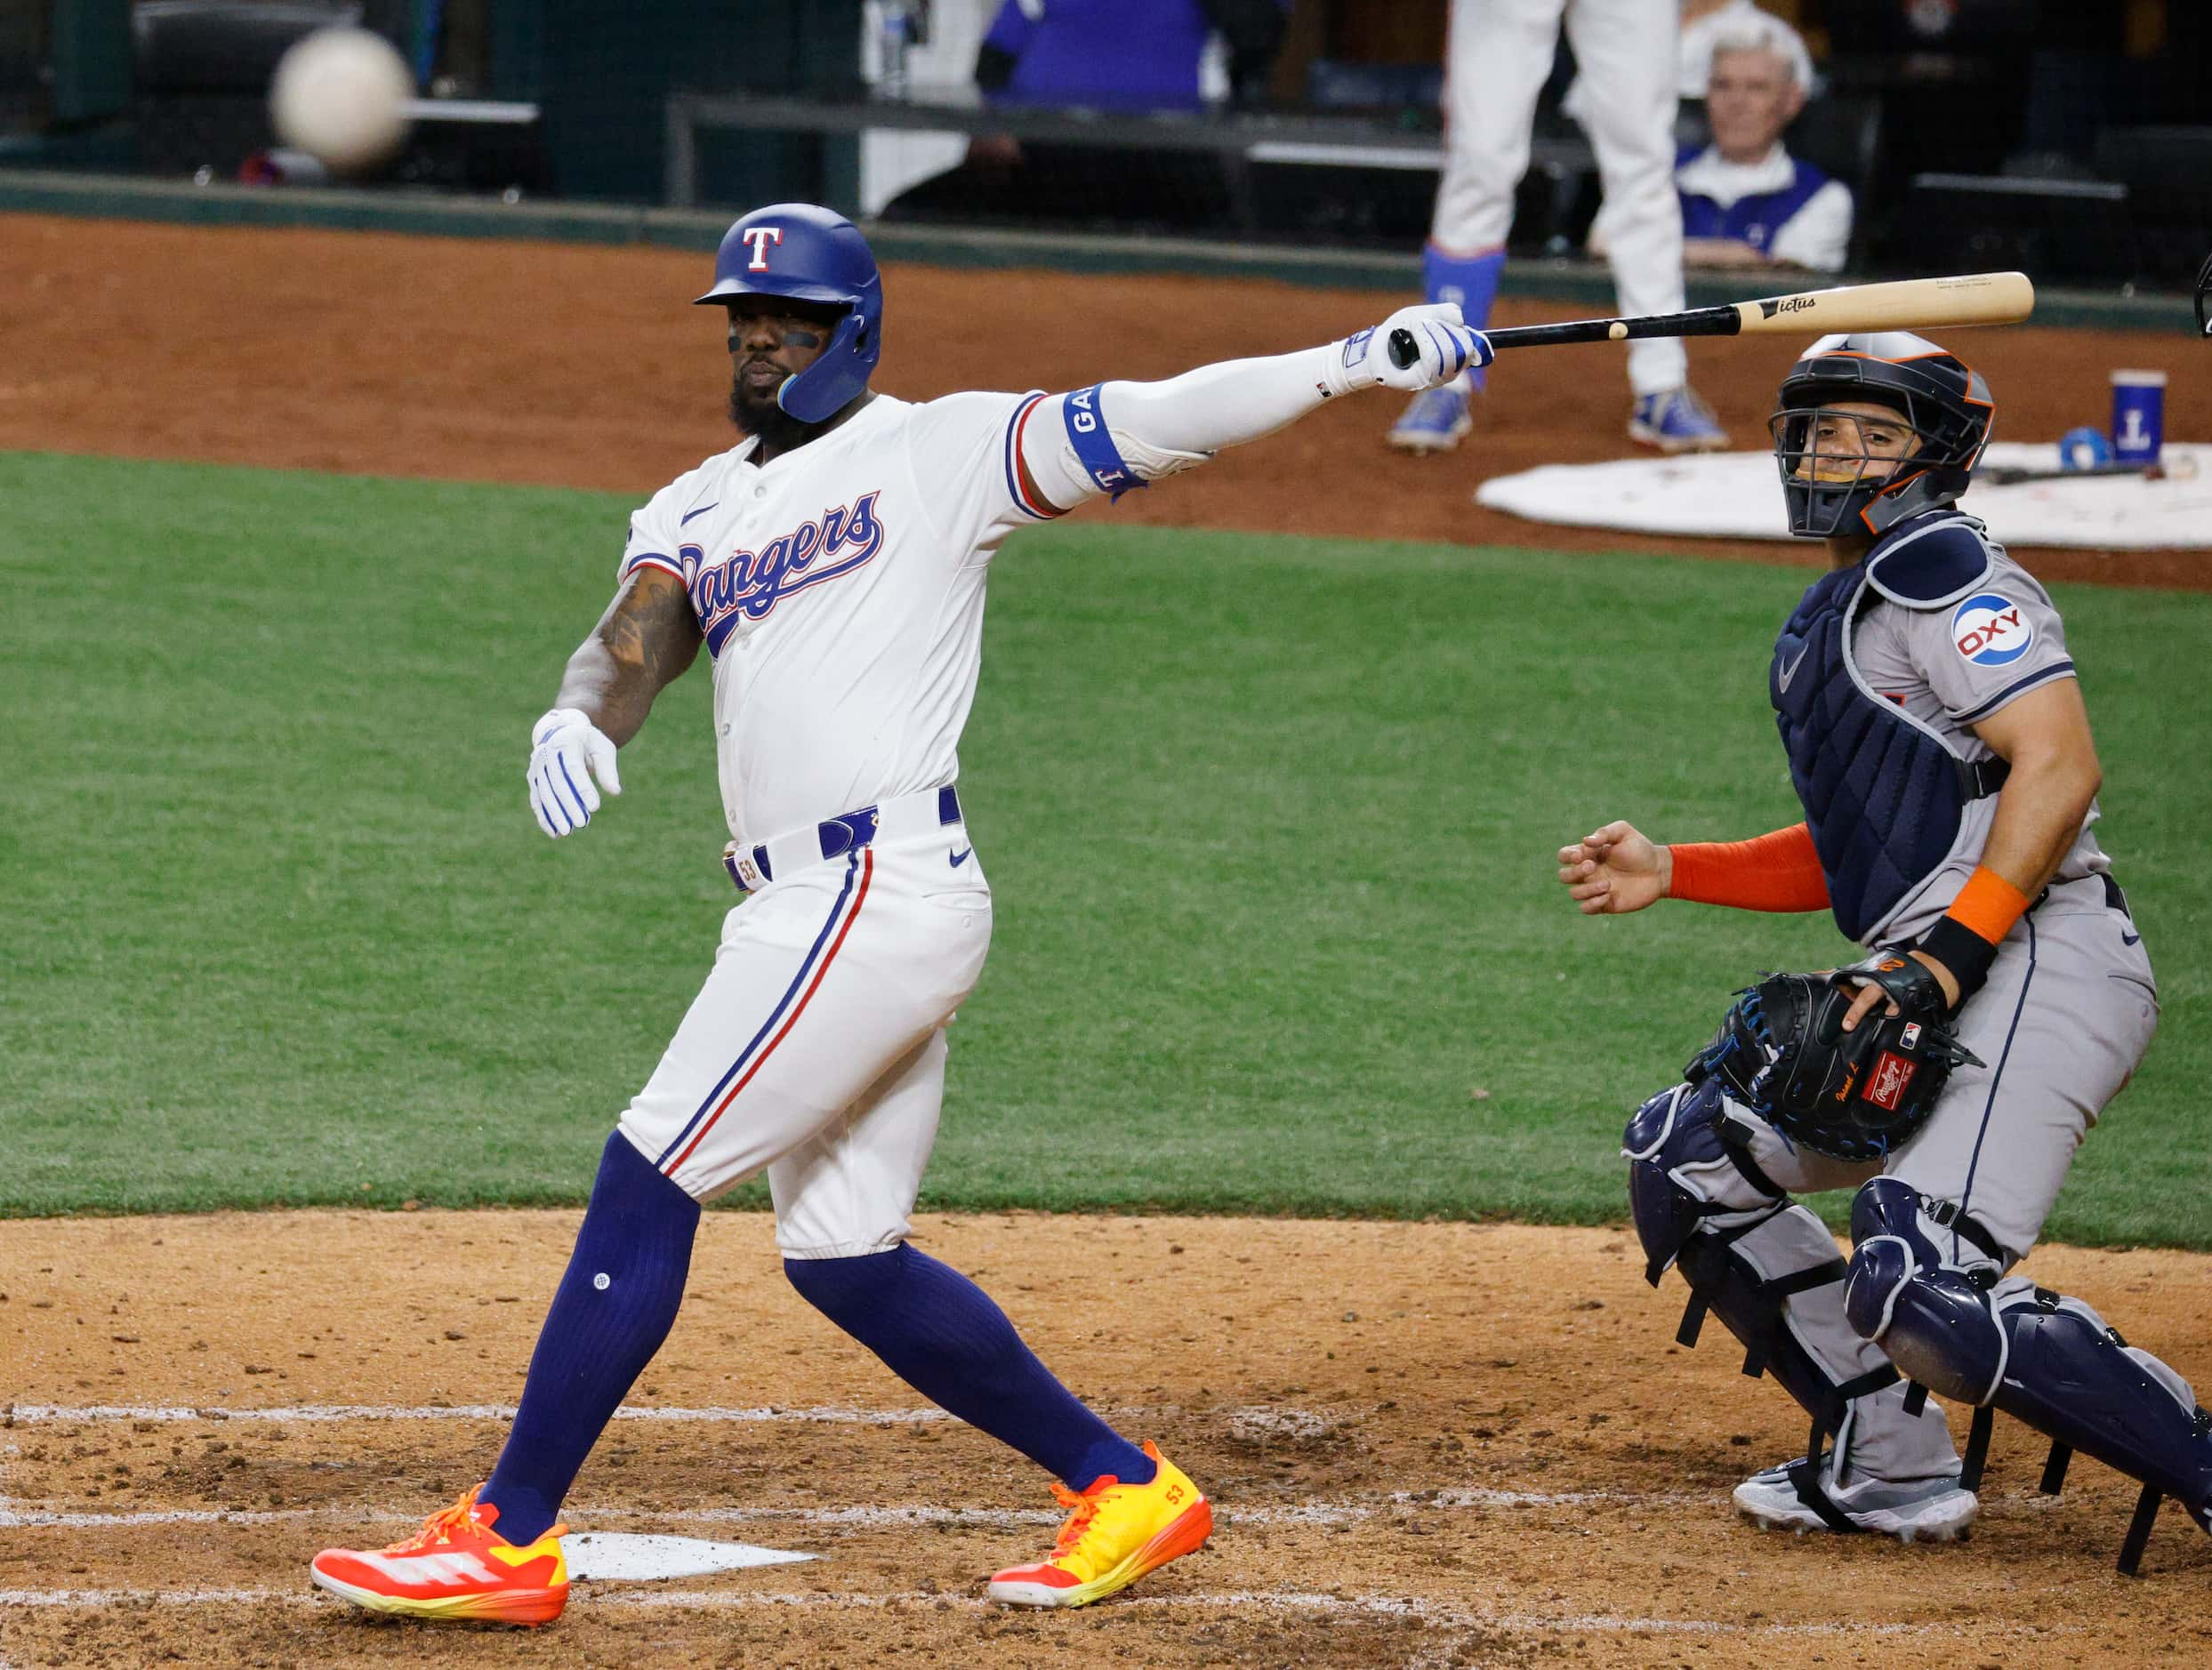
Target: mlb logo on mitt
(1885, 1085)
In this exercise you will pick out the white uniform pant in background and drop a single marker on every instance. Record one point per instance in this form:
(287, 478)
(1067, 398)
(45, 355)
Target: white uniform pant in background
(1498, 54)
(816, 1051)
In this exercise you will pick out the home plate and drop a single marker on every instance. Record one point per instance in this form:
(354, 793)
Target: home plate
(605, 1556)
(1738, 495)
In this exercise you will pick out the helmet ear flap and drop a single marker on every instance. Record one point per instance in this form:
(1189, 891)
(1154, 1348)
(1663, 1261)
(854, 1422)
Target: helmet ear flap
(837, 375)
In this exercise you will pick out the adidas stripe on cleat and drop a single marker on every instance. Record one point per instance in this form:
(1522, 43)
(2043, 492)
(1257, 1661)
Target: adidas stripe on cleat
(457, 1568)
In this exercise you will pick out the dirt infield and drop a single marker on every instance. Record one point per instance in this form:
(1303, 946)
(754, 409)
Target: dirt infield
(584, 367)
(1429, 1444)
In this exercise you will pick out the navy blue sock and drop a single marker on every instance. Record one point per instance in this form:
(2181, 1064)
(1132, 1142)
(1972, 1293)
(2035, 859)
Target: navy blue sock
(941, 1333)
(614, 1307)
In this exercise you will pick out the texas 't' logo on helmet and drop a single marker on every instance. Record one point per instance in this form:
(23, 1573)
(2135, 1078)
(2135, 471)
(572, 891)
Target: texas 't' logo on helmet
(760, 238)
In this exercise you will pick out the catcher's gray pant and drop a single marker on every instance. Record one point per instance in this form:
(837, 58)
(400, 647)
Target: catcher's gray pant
(2067, 1013)
(2067, 1016)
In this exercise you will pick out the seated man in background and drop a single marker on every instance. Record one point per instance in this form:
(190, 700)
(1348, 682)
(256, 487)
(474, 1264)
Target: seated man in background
(1746, 202)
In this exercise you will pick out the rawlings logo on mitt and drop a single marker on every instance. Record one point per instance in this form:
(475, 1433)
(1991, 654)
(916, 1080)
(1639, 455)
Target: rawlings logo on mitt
(1781, 1051)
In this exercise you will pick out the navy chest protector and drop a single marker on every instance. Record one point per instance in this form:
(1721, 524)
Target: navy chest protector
(1883, 794)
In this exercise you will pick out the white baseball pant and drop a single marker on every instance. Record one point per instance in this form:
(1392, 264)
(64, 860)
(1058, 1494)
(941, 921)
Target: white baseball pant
(1497, 57)
(816, 1051)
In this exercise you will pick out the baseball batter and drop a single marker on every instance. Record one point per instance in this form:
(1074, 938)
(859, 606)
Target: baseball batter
(1936, 735)
(832, 565)
(1497, 53)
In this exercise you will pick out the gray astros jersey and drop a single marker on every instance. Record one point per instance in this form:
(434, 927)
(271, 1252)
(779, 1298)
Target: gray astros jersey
(2071, 1005)
(1952, 666)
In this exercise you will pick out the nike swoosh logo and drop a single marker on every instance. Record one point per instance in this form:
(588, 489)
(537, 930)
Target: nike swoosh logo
(962, 857)
(1782, 678)
(701, 510)
(2127, 938)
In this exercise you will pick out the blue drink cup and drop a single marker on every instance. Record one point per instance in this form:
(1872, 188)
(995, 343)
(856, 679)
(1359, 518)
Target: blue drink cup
(2138, 416)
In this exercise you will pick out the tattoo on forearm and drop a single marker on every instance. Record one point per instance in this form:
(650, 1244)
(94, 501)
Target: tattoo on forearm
(645, 641)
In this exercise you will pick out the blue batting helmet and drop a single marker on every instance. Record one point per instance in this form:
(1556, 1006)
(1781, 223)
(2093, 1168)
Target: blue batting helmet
(807, 253)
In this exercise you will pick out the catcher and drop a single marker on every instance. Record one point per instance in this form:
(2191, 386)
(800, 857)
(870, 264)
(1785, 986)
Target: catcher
(1936, 737)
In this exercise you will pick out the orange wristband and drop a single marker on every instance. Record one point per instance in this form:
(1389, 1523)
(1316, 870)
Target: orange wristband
(1988, 905)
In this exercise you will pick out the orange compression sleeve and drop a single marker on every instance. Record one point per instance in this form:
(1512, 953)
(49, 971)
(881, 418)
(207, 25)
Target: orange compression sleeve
(1780, 872)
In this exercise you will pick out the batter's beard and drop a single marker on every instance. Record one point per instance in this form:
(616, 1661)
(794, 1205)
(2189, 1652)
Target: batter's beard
(754, 411)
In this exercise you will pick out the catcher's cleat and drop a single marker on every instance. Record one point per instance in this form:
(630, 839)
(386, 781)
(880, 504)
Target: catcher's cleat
(456, 1566)
(1918, 1509)
(1676, 421)
(1435, 420)
(1114, 1533)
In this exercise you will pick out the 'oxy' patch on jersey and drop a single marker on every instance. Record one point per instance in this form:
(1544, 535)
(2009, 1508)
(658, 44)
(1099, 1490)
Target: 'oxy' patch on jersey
(1990, 629)
(751, 583)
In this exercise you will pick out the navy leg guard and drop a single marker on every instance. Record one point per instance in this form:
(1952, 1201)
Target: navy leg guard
(1685, 1169)
(1753, 1258)
(2041, 1357)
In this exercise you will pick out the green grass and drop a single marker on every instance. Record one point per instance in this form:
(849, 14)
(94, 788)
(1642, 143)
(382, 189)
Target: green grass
(1268, 820)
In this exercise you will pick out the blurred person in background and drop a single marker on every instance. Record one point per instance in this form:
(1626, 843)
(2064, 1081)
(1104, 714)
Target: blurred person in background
(1704, 21)
(1128, 55)
(1118, 55)
(1497, 57)
(1746, 202)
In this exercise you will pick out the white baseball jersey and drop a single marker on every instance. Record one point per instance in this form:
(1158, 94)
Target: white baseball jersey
(839, 591)
(840, 588)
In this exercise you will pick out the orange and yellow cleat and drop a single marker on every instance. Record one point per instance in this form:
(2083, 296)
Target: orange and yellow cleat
(457, 1567)
(1114, 1533)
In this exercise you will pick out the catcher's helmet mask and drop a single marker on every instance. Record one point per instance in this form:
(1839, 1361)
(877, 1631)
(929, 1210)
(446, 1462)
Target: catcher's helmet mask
(804, 253)
(1945, 401)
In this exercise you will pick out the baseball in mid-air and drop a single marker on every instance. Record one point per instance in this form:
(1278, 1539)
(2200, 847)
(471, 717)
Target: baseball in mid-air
(341, 95)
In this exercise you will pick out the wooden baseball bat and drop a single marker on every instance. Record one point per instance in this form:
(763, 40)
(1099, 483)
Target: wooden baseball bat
(1981, 298)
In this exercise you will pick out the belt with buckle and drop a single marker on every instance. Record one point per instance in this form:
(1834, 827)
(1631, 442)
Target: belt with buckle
(752, 865)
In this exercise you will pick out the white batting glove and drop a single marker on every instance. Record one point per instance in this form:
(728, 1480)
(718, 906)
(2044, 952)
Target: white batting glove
(567, 752)
(1440, 348)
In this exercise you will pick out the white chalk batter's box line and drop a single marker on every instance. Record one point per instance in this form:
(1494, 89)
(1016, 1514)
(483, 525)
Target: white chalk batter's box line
(91, 1413)
(1298, 1420)
(1264, 1420)
(1378, 1606)
(19, 1514)
(1343, 1512)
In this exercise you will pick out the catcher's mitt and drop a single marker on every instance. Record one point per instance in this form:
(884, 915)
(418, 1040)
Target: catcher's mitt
(1781, 1051)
